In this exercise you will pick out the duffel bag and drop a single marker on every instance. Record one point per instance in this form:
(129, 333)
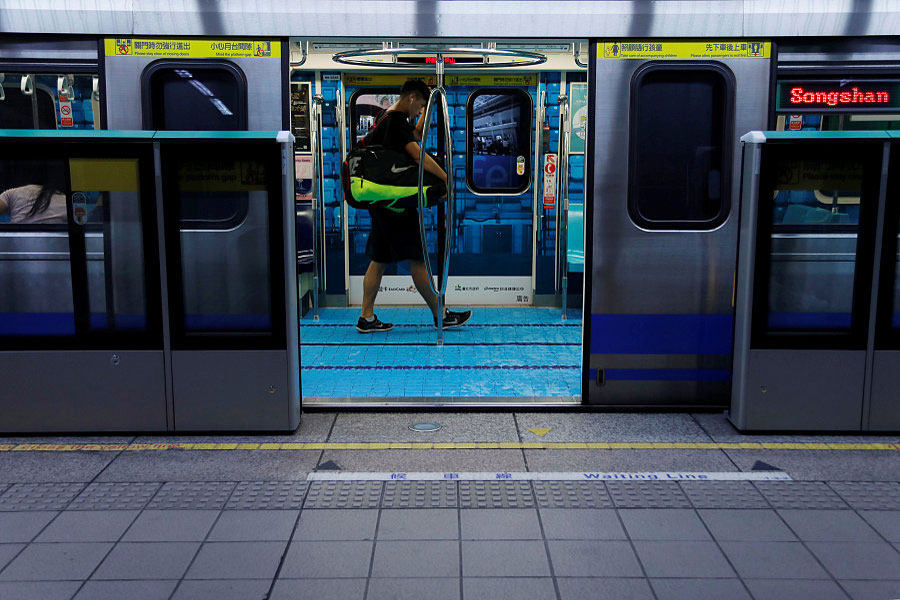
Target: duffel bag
(376, 176)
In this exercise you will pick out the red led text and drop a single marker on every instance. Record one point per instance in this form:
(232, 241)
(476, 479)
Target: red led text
(430, 60)
(833, 98)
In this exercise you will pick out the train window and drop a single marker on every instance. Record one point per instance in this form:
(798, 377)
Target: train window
(498, 129)
(680, 147)
(35, 103)
(199, 96)
(366, 105)
(194, 96)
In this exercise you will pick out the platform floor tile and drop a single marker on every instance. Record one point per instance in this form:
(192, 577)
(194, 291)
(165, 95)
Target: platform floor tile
(412, 558)
(872, 590)
(253, 525)
(39, 496)
(434, 588)
(492, 588)
(344, 494)
(683, 559)
(420, 494)
(195, 495)
(607, 588)
(792, 589)
(419, 524)
(762, 525)
(723, 494)
(663, 524)
(799, 494)
(700, 589)
(55, 562)
(307, 559)
(39, 590)
(504, 559)
(267, 495)
(773, 560)
(571, 494)
(223, 589)
(319, 589)
(647, 494)
(886, 523)
(147, 560)
(337, 524)
(18, 527)
(869, 495)
(173, 525)
(829, 526)
(88, 526)
(594, 558)
(114, 496)
(580, 524)
(858, 560)
(496, 494)
(133, 590)
(237, 560)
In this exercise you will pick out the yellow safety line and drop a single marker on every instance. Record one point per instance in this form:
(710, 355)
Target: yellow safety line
(447, 446)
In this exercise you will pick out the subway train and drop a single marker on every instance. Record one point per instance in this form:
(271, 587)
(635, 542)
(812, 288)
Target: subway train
(596, 178)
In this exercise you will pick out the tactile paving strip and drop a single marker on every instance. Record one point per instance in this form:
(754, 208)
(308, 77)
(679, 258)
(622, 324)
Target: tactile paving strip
(496, 494)
(272, 495)
(723, 494)
(647, 494)
(115, 496)
(799, 494)
(869, 495)
(343, 494)
(39, 496)
(420, 494)
(571, 494)
(197, 495)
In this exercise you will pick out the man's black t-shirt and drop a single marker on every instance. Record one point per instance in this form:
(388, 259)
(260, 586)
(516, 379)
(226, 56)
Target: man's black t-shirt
(393, 130)
(394, 236)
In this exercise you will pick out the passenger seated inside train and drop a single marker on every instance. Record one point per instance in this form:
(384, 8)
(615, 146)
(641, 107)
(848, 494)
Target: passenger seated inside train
(34, 203)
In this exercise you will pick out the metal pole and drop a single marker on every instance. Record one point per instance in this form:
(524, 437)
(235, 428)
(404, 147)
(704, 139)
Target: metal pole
(563, 199)
(317, 197)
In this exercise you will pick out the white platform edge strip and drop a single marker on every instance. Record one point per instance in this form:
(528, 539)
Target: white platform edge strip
(559, 476)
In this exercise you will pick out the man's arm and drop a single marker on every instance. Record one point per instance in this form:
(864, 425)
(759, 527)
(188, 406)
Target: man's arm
(420, 126)
(431, 166)
(4, 205)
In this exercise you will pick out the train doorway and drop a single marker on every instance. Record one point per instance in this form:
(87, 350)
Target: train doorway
(513, 143)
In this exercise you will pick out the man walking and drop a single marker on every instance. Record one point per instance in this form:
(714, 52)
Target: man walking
(395, 236)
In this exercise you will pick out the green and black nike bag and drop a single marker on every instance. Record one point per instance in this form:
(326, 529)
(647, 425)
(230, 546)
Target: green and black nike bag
(375, 176)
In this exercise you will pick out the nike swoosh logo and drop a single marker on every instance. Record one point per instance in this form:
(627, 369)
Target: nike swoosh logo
(394, 168)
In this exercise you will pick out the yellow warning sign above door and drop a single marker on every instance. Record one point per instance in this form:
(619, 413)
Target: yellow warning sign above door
(192, 48)
(685, 50)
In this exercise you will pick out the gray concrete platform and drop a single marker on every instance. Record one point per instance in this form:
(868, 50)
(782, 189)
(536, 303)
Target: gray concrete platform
(256, 522)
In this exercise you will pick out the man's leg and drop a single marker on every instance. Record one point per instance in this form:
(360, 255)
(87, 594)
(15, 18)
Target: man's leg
(371, 283)
(420, 277)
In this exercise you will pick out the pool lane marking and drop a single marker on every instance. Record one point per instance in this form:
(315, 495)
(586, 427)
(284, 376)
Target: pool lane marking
(244, 446)
(550, 476)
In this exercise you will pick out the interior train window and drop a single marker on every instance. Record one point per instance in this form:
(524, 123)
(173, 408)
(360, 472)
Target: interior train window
(680, 147)
(366, 105)
(34, 104)
(194, 96)
(498, 152)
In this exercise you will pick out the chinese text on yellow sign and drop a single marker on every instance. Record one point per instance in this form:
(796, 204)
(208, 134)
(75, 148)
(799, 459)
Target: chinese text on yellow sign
(193, 48)
(696, 50)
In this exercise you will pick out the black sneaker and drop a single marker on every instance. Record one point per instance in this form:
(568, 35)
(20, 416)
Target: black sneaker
(456, 319)
(364, 326)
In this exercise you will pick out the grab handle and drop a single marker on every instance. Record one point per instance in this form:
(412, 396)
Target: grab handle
(441, 289)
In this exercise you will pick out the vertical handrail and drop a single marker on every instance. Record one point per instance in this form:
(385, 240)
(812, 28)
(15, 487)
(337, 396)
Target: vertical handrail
(441, 288)
(562, 180)
(540, 112)
(319, 187)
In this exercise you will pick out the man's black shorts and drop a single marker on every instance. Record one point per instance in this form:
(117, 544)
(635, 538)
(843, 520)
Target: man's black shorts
(394, 236)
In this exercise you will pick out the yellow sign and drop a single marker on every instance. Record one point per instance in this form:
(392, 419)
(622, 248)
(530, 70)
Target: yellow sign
(484, 80)
(104, 174)
(352, 79)
(222, 176)
(355, 79)
(692, 50)
(192, 48)
(539, 431)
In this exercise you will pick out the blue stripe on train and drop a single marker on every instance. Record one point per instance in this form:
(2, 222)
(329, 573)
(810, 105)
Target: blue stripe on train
(664, 374)
(661, 334)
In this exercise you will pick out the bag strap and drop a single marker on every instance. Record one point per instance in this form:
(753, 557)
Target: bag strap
(375, 125)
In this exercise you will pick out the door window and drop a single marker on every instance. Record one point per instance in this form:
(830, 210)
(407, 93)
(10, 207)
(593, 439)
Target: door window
(499, 138)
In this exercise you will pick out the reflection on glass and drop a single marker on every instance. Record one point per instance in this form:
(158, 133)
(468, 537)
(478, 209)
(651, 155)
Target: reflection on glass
(367, 108)
(225, 272)
(35, 271)
(106, 202)
(199, 99)
(500, 136)
(813, 250)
